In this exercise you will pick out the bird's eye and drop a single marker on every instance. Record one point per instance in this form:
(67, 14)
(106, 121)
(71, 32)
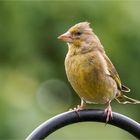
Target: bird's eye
(78, 33)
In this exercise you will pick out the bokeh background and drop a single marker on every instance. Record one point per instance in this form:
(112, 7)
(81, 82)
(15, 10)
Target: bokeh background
(33, 84)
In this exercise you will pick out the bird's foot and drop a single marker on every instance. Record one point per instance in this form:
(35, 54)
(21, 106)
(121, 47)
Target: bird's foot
(108, 112)
(76, 109)
(79, 107)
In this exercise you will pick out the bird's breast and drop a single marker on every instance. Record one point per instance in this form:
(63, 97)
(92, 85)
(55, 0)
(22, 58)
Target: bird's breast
(87, 76)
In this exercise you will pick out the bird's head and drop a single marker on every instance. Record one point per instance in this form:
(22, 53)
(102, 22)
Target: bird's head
(78, 34)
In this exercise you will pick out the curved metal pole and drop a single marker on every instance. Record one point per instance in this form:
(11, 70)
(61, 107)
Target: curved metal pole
(94, 115)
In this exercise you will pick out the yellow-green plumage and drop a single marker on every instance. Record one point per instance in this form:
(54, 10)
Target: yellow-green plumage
(88, 76)
(89, 70)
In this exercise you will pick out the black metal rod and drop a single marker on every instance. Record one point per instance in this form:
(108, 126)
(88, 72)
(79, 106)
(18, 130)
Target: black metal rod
(86, 115)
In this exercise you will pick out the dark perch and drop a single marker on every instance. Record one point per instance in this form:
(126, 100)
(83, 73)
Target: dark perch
(87, 115)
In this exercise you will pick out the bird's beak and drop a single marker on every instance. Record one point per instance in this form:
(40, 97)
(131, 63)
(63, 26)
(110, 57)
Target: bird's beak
(66, 37)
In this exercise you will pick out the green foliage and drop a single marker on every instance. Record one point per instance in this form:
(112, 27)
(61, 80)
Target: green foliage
(30, 55)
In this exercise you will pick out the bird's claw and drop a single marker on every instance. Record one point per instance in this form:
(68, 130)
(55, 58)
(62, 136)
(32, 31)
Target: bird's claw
(108, 112)
(79, 107)
(76, 109)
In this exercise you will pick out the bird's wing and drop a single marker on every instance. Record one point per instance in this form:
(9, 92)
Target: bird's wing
(115, 75)
(113, 72)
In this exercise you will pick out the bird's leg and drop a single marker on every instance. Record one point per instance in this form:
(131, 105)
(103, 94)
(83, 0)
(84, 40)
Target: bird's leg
(108, 112)
(80, 107)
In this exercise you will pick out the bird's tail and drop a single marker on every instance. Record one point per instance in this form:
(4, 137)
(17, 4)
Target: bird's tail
(124, 100)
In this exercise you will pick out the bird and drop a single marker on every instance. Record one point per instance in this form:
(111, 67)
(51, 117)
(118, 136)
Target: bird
(90, 71)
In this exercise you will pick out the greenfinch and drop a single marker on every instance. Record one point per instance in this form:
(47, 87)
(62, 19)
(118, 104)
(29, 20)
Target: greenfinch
(89, 70)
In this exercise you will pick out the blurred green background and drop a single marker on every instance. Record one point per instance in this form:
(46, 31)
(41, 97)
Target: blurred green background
(33, 84)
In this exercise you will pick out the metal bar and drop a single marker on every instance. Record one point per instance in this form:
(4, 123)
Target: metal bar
(86, 115)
